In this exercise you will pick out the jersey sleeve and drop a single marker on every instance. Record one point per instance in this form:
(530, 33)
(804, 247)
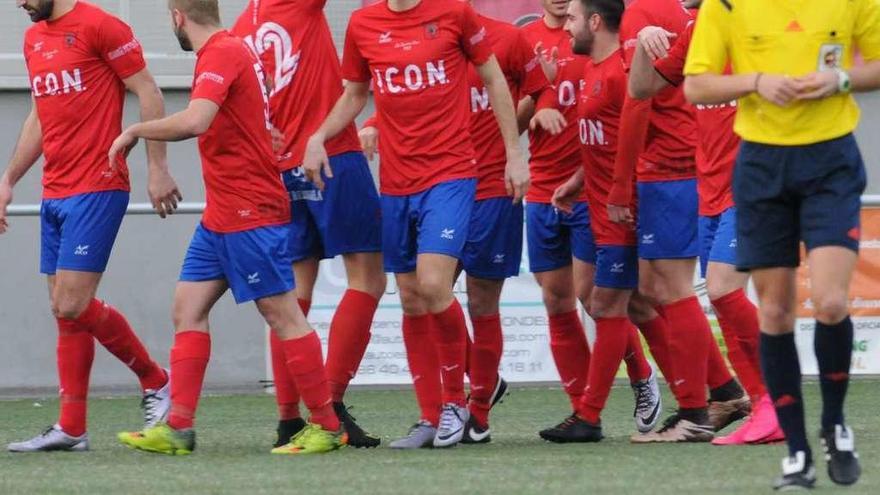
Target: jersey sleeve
(214, 76)
(119, 48)
(711, 39)
(867, 32)
(372, 121)
(633, 21)
(548, 99)
(530, 76)
(671, 67)
(474, 40)
(354, 66)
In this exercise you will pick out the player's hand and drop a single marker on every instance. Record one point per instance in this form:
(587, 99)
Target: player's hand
(655, 41)
(817, 85)
(316, 161)
(122, 145)
(5, 199)
(779, 90)
(369, 137)
(620, 214)
(548, 119)
(163, 191)
(516, 176)
(277, 140)
(549, 60)
(565, 195)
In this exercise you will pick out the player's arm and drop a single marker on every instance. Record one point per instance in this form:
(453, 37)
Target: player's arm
(566, 194)
(347, 108)
(163, 191)
(369, 137)
(644, 79)
(27, 150)
(517, 171)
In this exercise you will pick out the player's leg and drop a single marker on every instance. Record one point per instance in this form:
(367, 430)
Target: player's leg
(647, 315)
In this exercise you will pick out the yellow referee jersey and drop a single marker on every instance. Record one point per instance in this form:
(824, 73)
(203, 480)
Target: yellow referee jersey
(790, 37)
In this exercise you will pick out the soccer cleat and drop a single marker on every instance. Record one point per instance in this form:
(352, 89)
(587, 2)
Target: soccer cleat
(313, 440)
(452, 421)
(738, 436)
(156, 404)
(474, 433)
(648, 403)
(841, 455)
(357, 437)
(287, 428)
(723, 413)
(499, 393)
(764, 426)
(52, 439)
(677, 430)
(161, 439)
(797, 474)
(573, 430)
(420, 436)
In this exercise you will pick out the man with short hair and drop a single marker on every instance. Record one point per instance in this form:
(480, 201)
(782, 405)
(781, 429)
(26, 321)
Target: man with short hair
(80, 61)
(242, 242)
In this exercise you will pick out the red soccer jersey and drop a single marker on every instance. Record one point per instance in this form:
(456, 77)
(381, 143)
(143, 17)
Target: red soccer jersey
(717, 144)
(76, 65)
(418, 62)
(555, 158)
(599, 106)
(242, 184)
(671, 141)
(294, 43)
(524, 77)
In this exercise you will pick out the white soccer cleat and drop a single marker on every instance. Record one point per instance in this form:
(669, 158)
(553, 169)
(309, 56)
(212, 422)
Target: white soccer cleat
(156, 404)
(452, 423)
(52, 439)
(420, 436)
(648, 403)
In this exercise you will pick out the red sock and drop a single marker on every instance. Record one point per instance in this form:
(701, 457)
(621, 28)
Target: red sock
(612, 338)
(484, 358)
(738, 318)
(75, 353)
(305, 365)
(112, 331)
(349, 336)
(424, 365)
(286, 393)
(450, 339)
(189, 360)
(717, 372)
(655, 332)
(689, 350)
(637, 366)
(571, 353)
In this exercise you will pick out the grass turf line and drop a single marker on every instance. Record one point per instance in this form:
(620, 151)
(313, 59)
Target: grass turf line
(235, 433)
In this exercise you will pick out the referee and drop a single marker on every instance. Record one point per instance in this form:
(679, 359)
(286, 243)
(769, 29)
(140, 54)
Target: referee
(799, 177)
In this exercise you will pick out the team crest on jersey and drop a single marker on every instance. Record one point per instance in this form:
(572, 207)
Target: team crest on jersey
(597, 87)
(69, 39)
(431, 30)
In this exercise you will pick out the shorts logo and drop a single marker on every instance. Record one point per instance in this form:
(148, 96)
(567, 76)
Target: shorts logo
(253, 278)
(498, 259)
(447, 234)
(81, 250)
(648, 239)
(617, 267)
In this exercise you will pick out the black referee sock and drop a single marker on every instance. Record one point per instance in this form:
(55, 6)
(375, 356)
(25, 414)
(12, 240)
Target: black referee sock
(833, 346)
(782, 373)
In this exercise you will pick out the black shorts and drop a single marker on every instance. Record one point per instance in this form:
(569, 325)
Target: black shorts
(788, 194)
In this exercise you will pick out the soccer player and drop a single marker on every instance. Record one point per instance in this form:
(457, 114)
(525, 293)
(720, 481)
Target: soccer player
(662, 131)
(293, 40)
(80, 61)
(242, 242)
(493, 249)
(416, 52)
(561, 248)
(657, 64)
(593, 26)
(798, 177)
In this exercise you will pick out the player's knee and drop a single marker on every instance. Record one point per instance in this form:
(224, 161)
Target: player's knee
(558, 301)
(185, 317)
(776, 317)
(718, 288)
(411, 301)
(434, 287)
(830, 308)
(376, 285)
(482, 305)
(68, 307)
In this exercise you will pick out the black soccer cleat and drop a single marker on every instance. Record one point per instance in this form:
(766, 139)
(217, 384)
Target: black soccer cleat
(499, 393)
(357, 437)
(841, 455)
(287, 428)
(797, 474)
(475, 434)
(573, 430)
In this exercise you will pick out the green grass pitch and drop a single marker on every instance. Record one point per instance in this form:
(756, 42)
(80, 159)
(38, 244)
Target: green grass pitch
(235, 432)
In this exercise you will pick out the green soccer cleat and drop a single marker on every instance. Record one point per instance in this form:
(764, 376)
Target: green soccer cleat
(160, 439)
(313, 440)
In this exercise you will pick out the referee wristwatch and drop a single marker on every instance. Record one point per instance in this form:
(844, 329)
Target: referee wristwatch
(844, 85)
